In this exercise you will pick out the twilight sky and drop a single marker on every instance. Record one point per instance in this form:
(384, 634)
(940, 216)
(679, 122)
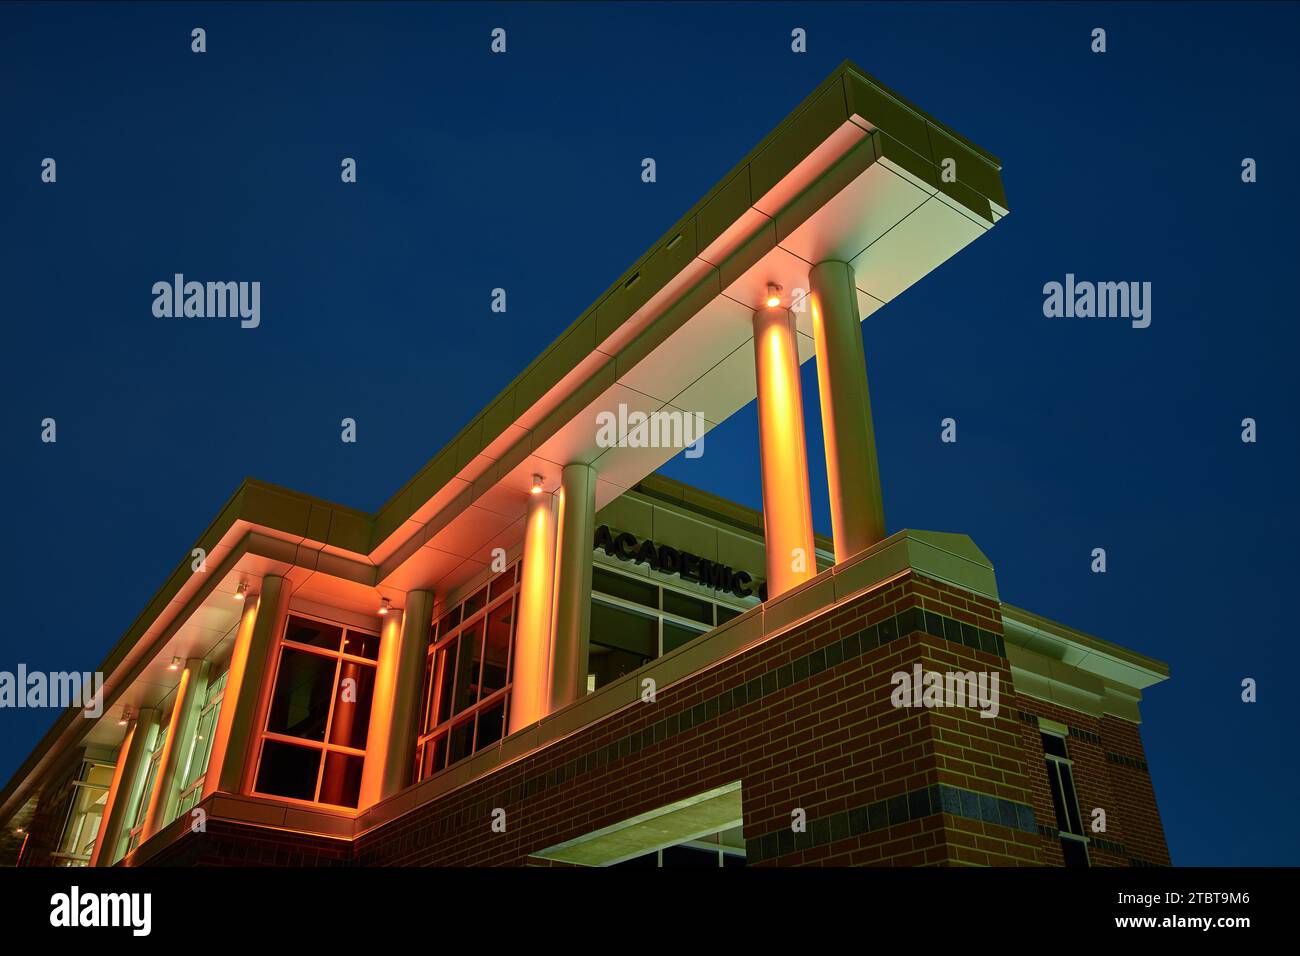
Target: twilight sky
(523, 171)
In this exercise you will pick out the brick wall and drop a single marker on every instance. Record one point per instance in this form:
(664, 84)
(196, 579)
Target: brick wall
(803, 721)
(234, 844)
(1110, 772)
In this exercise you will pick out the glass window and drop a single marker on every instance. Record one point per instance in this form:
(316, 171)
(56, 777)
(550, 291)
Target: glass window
(351, 723)
(675, 635)
(625, 630)
(467, 676)
(321, 701)
(623, 586)
(496, 648)
(287, 770)
(684, 605)
(196, 766)
(1065, 801)
(304, 685)
(301, 630)
(85, 815)
(624, 636)
(341, 782)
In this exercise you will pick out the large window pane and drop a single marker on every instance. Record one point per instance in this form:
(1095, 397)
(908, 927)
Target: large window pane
(288, 771)
(445, 676)
(491, 725)
(315, 633)
(625, 630)
(496, 652)
(621, 586)
(462, 741)
(303, 688)
(351, 721)
(468, 659)
(675, 635)
(691, 608)
(341, 782)
(608, 664)
(361, 644)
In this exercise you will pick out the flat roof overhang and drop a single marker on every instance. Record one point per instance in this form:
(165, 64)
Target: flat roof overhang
(854, 173)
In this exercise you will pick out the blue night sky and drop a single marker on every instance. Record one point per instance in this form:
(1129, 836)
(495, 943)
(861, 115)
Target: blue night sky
(523, 171)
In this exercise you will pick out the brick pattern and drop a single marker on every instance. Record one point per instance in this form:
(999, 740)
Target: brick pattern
(1134, 835)
(803, 721)
(234, 844)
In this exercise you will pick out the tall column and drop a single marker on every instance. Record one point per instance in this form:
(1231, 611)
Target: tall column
(234, 679)
(237, 726)
(577, 528)
(857, 507)
(190, 697)
(190, 694)
(787, 511)
(390, 742)
(532, 651)
(128, 781)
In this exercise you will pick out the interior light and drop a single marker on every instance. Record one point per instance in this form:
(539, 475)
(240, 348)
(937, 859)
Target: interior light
(125, 718)
(536, 487)
(175, 665)
(385, 606)
(773, 295)
(241, 591)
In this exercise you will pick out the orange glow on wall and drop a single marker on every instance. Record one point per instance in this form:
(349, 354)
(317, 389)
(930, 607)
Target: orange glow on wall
(787, 508)
(532, 658)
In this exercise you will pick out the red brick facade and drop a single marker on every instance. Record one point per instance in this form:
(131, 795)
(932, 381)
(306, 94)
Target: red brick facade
(803, 721)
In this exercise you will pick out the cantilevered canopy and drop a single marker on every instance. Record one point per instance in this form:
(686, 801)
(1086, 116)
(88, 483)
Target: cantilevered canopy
(855, 173)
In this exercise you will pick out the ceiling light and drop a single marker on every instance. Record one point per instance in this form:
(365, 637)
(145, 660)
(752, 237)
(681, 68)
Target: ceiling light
(175, 665)
(536, 487)
(385, 606)
(241, 591)
(773, 295)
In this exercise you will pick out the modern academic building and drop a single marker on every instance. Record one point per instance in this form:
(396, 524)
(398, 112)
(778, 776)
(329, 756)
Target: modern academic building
(540, 652)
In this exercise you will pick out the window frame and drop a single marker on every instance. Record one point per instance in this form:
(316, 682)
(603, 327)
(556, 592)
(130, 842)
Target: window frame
(714, 599)
(65, 859)
(438, 641)
(1062, 800)
(213, 706)
(324, 746)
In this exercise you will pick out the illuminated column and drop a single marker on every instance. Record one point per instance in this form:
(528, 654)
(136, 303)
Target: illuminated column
(532, 652)
(857, 508)
(237, 725)
(787, 512)
(390, 743)
(191, 693)
(128, 781)
(577, 527)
